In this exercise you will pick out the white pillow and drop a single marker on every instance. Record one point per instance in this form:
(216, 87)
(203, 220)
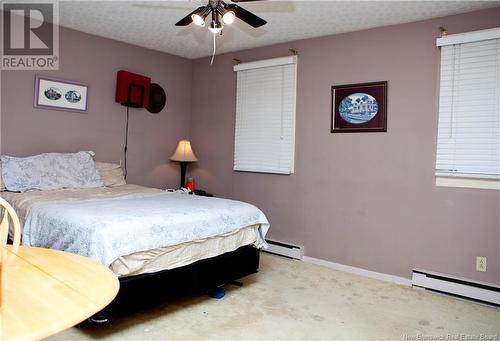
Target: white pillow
(111, 174)
(50, 171)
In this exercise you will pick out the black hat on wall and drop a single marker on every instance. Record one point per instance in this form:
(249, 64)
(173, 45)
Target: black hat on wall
(157, 99)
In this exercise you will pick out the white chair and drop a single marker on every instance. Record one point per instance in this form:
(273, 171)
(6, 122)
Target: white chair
(9, 216)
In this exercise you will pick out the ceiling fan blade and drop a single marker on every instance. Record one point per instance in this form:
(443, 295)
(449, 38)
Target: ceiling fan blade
(187, 19)
(248, 17)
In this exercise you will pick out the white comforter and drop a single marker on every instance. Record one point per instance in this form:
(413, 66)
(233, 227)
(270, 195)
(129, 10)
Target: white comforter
(105, 228)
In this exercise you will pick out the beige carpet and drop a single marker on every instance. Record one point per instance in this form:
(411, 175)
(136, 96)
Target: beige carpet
(295, 300)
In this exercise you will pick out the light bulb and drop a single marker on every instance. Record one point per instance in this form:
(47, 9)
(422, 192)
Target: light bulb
(198, 20)
(215, 27)
(228, 17)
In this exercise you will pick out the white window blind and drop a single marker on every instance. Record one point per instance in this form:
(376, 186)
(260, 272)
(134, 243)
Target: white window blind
(469, 109)
(265, 116)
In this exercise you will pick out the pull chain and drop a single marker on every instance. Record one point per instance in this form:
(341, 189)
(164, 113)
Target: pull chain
(213, 53)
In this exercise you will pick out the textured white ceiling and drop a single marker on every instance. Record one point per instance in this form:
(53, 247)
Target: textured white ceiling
(151, 23)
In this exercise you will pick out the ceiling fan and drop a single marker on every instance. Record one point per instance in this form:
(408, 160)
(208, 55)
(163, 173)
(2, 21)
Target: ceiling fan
(221, 13)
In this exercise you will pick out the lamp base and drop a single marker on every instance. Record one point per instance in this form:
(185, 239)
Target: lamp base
(183, 173)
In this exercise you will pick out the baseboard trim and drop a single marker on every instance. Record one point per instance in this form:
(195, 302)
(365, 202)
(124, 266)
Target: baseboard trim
(359, 271)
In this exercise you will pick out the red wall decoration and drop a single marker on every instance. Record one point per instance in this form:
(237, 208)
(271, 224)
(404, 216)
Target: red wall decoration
(132, 90)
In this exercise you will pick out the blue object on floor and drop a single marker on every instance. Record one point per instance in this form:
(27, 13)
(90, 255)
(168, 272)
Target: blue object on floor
(217, 293)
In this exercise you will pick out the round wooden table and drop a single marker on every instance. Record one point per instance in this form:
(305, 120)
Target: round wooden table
(45, 291)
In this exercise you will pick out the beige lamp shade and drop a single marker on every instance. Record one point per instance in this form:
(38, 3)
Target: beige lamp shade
(184, 152)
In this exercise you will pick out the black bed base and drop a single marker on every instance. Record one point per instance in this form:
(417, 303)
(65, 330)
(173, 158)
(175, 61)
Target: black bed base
(146, 290)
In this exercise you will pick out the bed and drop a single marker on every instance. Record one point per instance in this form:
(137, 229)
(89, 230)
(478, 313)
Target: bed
(161, 245)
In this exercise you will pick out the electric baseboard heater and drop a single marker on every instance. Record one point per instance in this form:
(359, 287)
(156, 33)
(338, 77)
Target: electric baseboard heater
(284, 249)
(457, 286)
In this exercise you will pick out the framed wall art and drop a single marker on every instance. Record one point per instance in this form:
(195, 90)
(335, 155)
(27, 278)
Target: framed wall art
(57, 94)
(359, 107)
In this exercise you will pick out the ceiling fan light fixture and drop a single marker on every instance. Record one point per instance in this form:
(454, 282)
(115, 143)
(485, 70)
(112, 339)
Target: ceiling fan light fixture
(215, 27)
(198, 20)
(221, 12)
(228, 17)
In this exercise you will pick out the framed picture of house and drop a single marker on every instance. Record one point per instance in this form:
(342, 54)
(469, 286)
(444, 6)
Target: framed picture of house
(57, 94)
(359, 107)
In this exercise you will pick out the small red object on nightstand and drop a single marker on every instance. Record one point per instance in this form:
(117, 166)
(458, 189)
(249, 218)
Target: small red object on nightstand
(190, 184)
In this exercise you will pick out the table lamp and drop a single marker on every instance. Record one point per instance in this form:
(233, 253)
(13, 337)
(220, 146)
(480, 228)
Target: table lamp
(183, 154)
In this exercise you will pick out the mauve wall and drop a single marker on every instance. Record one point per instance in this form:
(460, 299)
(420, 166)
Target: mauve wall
(364, 199)
(95, 61)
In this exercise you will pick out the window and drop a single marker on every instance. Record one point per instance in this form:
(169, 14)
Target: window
(265, 116)
(468, 146)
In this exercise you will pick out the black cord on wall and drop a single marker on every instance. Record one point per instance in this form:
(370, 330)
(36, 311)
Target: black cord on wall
(125, 149)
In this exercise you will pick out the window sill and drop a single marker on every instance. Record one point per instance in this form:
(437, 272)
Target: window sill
(444, 181)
